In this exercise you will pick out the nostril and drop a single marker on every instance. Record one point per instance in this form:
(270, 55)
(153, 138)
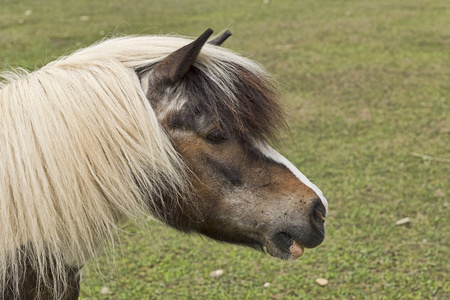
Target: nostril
(318, 212)
(320, 216)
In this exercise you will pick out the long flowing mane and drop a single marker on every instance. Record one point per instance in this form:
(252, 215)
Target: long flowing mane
(81, 147)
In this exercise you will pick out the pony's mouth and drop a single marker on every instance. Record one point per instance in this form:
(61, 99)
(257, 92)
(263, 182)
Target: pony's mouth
(290, 243)
(287, 245)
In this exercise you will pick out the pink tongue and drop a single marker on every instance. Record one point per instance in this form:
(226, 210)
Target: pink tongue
(296, 251)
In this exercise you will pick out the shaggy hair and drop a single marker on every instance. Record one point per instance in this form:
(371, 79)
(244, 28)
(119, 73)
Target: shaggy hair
(81, 147)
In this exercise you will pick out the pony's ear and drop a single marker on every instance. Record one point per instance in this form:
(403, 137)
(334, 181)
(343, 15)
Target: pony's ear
(173, 68)
(218, 41)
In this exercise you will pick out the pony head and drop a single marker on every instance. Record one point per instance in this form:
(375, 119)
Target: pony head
(219, 111)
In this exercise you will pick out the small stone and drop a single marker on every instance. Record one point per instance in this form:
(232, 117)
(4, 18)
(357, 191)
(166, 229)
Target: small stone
(216, 273)
(28, 12)
(321, 281)
(403, 221)
(84, 18)
(105, 291)
(267, 284)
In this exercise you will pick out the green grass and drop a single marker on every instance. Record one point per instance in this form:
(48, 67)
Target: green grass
(367, 87)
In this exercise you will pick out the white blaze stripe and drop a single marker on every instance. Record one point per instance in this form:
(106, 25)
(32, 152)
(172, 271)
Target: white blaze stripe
(271, 153)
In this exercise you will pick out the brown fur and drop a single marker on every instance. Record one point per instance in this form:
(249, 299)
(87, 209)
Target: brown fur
(32, 287)
(268, 199)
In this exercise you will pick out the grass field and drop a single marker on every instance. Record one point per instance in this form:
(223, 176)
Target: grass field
(367, 88)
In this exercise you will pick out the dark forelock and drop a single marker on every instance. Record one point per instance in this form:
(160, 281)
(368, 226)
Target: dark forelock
(253, 110)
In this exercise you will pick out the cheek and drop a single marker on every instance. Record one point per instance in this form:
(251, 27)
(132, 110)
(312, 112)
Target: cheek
(195, 152)
(216, 169)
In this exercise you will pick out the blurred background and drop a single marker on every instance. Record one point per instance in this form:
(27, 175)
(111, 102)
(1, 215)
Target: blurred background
(366, 85)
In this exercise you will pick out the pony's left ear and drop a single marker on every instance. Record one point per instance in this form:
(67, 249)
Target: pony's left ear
(175, 66)
(218, 41)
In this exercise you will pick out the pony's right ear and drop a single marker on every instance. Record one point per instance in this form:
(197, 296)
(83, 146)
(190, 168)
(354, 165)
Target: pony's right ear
(175, 66)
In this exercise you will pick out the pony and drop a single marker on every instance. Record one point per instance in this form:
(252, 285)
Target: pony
(135, 126)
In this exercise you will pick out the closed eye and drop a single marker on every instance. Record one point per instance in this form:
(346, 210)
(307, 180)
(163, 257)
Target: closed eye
(216, 136)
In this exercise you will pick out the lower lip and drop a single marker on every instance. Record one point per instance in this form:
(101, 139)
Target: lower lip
(296, 251)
